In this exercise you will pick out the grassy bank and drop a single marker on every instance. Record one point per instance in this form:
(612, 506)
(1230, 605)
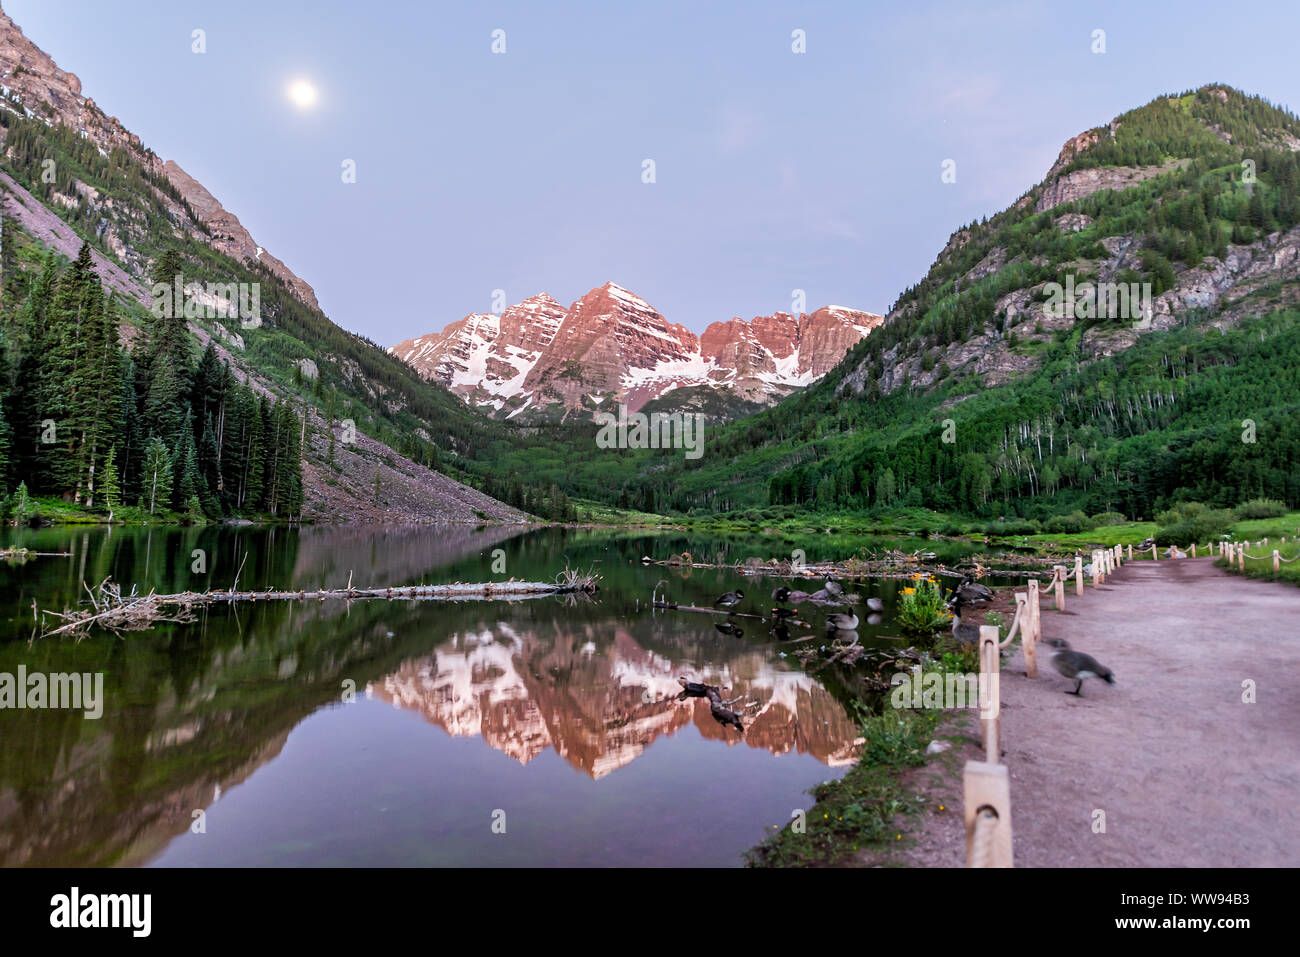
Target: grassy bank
(1288, 571)
(860, 810)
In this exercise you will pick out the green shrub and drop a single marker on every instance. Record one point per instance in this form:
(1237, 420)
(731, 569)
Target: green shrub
(1192, 522)
(1076, 521)
(1103, 519)
(922, 610)
(1014, 526)
(1260, 508)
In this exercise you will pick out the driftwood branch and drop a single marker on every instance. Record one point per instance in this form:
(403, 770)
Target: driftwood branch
(133, 612)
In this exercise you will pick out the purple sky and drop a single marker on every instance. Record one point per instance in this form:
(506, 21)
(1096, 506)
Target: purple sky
(775, 171)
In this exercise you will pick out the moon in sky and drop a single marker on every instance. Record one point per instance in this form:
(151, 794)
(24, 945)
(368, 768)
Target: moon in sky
(303, 94)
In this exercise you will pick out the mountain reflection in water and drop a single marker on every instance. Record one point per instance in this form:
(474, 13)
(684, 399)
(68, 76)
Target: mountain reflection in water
(460, 708)
(599, 712)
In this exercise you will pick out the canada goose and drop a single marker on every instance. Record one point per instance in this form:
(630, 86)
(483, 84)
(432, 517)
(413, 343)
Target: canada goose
(729, 628)
(1077, 665)
(821, 595)
(875, 604)
(723, 715)
(780, 594)
(972, 592)
(964, 633)
(841, 622)
(731, 599)
(797, 596)
(694, 688)
(834, 588)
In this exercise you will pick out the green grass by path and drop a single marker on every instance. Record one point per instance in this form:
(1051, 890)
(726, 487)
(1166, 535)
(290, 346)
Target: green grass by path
(1289, 567)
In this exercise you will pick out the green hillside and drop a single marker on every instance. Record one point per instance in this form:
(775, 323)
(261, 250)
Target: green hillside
(1049, 415)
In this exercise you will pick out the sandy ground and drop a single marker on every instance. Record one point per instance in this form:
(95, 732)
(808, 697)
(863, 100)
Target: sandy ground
(1185, 771)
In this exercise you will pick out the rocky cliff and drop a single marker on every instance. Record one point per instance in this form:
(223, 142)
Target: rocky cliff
(31, 82)
(611, 346)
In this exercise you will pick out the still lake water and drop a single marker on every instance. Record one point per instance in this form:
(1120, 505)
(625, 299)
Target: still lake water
(555, 717)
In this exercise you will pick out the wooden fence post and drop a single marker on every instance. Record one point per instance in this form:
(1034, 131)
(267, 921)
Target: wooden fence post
(990, 665)
(1154, 556)
(1193, 549)
(986, 791)
(1029, 640)
(1276, 559)
(1241, 556)
(1096, 568)
(1078, 575)
(1060, 587)
(1130, 553)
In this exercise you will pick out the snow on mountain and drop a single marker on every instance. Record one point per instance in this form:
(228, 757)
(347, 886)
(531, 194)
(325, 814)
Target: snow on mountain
(539, 356)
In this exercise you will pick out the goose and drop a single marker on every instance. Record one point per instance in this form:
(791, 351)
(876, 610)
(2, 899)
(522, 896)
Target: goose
(874, 619)
(780, 594)
(723, 715)
(841, 622)
(1077, 665)
(731, 599)
(795, 597)
(834, 588)
(875, 604)
(964, 633)
(694, 688)
(972, 592)
(821, 595)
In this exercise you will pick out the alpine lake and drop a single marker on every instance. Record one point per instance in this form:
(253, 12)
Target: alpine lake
(539, 732)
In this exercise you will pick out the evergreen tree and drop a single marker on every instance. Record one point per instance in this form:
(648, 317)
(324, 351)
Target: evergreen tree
(209, 465)
(185, 467)
(156, 480)
(110, 488)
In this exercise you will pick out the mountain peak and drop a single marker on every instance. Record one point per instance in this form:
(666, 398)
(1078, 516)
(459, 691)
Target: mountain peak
(544, 359)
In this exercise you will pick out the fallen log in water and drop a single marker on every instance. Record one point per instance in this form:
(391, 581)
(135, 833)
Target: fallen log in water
(10, 553)
(667, 605)
(134, 612)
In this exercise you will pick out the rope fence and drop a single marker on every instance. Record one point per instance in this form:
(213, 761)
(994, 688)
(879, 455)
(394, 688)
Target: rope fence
(986, 784)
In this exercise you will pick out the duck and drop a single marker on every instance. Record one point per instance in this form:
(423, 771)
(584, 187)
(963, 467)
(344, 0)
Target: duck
(730, 628)
(1077, 665)
(840, 621)
(784, 614)
(730, 600)
(875, 604)
(964, 633)
(972, 592)
(780, 594)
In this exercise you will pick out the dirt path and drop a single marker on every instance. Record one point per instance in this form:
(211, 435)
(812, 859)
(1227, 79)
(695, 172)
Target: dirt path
(1186, 773)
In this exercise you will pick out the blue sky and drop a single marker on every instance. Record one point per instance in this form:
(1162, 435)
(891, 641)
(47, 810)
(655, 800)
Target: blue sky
(775, 171)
